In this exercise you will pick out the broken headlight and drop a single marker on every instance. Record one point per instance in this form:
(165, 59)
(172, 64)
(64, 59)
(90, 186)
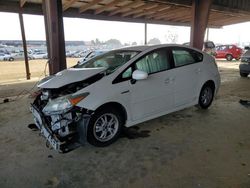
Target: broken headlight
(63, 104)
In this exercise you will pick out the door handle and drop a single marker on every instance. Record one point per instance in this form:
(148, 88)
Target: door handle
(169, 80)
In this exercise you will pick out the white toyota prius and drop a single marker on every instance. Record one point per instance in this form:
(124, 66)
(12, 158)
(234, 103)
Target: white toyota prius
(92, 101)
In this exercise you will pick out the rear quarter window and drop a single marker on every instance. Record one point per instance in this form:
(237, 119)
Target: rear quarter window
(186, 56)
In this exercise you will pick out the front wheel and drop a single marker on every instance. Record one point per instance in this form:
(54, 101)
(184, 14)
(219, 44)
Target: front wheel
(229, 57)
(11, 59)
(104, 127)
(243, 74)
(206, 96)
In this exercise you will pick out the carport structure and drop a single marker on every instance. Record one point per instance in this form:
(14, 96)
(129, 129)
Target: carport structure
(199, 14)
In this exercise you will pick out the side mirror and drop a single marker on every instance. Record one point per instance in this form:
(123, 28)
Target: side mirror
(139, 75)
(247, 48)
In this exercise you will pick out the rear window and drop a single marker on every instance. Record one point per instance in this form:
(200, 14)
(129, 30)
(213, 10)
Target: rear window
(185, 57)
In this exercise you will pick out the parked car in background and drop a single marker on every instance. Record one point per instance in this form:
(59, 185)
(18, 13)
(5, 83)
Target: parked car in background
(245, 63)
(17, 56)
(229, 52)
(92, 54)
(208, 47)
(123, 87)
(39, 55)
(2, 55)
(69, 53)
(78, 54)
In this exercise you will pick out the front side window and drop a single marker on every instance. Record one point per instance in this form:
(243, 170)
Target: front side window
(111, 60)
(154, 62)
(185, 57)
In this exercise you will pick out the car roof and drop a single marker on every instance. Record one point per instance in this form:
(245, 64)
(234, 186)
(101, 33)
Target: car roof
(151, 47)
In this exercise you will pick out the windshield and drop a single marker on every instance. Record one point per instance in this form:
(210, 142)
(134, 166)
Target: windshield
(111, 60)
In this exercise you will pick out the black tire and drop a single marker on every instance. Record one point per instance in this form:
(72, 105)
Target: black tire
(11, 59)
(206, 96)
(243, 74)
(93, 135)
(229, 57)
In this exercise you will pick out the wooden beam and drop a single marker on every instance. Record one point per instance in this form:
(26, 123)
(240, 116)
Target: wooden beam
(166, 13)
(88, 5)
(128, 6)
(139, 9)
(109, 5)
(199, 22)
(68, 4)
(22, 2)
(152, 11)
(184, 18)
(162, 12)
(26, 60)
(55, 35)
(179, 15)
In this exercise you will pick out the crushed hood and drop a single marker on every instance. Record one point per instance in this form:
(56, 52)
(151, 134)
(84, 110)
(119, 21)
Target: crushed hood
(68, 76)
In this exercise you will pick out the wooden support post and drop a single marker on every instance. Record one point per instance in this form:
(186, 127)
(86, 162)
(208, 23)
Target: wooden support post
(200, 13)
(207, 34)
(145, 34)
(24, 46)
(54, 35)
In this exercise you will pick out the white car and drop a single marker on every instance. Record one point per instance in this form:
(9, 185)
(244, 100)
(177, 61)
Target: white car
(124, 87)
(2, 56)
(39, 55)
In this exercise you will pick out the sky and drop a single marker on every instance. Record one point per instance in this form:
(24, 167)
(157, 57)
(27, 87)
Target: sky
(86, 30)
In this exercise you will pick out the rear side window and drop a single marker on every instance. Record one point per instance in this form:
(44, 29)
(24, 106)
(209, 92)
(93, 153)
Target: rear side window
(154, 62)
(185, 57)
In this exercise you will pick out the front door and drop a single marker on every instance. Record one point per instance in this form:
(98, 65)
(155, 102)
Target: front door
(154, 94)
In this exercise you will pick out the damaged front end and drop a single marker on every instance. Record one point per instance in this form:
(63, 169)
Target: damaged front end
(60, 121)
(63, 125)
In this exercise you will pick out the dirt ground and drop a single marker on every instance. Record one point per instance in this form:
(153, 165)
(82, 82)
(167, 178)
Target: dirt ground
(191, 148)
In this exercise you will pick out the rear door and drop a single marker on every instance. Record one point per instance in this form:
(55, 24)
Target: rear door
(187, 71)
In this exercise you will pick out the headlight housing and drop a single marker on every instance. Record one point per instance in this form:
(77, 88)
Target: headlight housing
(63, 104)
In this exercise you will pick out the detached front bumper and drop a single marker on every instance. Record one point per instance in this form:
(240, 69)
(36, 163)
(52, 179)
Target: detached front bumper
(69, 142)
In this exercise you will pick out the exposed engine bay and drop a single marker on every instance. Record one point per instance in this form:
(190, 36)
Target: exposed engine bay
(61, 122)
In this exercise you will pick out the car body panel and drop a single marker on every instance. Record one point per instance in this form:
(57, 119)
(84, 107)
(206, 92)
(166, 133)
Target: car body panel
(245, 63)
(68, 76)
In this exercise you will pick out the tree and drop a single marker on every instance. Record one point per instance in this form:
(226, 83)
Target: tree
(134, 43)
(154, 41)
(113, 43)
(171, 37)
(97, 42)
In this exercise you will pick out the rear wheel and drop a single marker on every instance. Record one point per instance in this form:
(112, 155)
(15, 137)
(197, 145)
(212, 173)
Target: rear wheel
(206, 96)
(104, 127)
(11, 59)
(229, 57)
(243, 74)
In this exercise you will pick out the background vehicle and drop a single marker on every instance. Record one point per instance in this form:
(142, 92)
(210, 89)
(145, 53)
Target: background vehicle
(245, 63)
(39, 55)
(208, 47)
(92, 54)
(2, 55)
(122, 88)
(17, 56)
(229, 52)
